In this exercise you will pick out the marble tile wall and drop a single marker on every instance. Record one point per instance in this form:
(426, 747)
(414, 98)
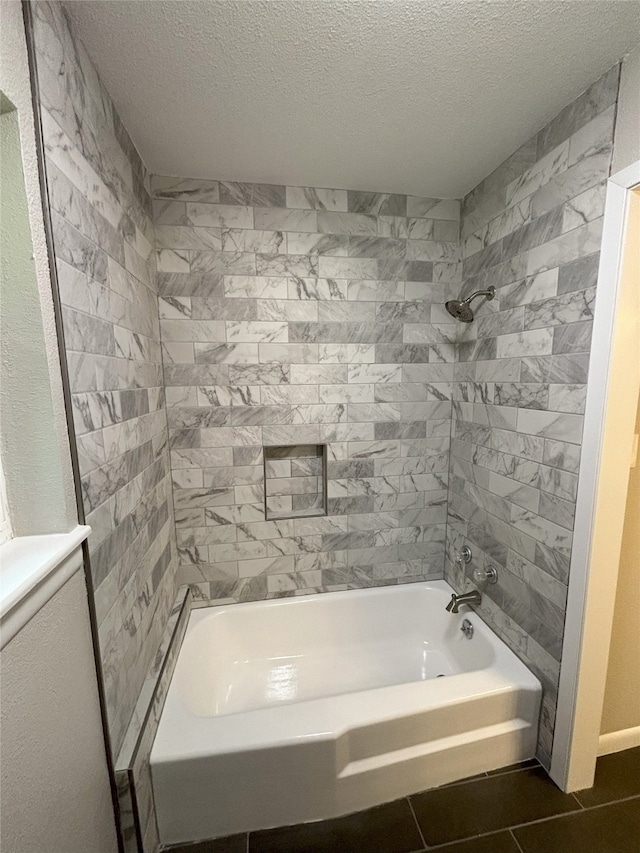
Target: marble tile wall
(105, 256)
(296, 315)
(533, 230)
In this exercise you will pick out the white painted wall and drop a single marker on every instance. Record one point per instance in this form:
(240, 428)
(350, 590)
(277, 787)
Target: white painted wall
(627, 140)
(53, 775)
(14, 84)
(31, 461)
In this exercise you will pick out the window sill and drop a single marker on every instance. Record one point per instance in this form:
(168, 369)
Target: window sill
(32, 570)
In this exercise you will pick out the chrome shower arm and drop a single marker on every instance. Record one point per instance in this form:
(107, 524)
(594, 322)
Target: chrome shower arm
(489, 293)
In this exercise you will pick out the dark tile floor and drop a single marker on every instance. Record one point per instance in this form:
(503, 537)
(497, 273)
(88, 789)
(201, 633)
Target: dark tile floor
(514, 810)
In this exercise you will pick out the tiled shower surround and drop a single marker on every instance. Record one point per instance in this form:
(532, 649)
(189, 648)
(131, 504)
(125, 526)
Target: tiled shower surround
(105, 258)
(294, 316)
(297, 316)
(533, 230)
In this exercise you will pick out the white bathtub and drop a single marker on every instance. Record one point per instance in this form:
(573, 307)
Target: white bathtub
(306, 708)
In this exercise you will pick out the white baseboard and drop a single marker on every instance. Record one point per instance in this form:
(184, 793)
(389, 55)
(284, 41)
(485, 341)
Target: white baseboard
(617, 741)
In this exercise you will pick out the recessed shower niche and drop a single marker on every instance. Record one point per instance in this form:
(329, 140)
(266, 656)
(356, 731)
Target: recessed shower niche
(295, 481)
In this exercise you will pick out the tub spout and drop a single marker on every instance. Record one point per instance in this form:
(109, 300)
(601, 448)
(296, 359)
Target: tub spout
(472, 597)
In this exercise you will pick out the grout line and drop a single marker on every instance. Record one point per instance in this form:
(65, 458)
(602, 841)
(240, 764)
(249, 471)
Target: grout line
(447, 844)
(492, 773)
(515, 840)
(481, 777)
(247, 851)
(583, 806)
(610, 802)
(574, 812)
(577, 800)
(424, 843)
(528, 823)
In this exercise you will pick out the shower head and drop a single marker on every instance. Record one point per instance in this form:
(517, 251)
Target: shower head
(460, 309)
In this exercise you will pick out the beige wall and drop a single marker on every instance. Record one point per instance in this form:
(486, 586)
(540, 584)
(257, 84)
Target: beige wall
(622, 694)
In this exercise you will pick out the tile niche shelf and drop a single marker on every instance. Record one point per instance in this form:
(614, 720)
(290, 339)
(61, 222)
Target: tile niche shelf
(295, 481)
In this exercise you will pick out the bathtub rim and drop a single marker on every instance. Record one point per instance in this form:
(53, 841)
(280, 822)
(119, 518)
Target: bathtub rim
(182, 735)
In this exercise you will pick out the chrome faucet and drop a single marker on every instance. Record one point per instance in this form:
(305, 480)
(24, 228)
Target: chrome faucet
(472, 597)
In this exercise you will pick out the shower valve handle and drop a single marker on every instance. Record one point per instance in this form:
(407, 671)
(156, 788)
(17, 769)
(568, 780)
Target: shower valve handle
(464, 555)
(488, 575)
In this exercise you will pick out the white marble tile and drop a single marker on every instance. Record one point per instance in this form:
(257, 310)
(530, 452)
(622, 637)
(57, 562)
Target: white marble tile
(561, 427)
(347, 353)
(573, 307)
(256, 332)
(381, 291)
(433, 208)
(534, 288)
(550, 534)
(192, 330)
(187, 237)
(297, 266)
(536, 342)
(287, 310)
(349, 268)
(538, 175)
(374, 373)
(317, 288)
(568, 247)
(250, 240)
(308, 198)
(518, 493)
(66, 156)
(347, 223)
(336, 245)
(185, 189)
(298, 353)
(283, 219)
(429, 333)
(255, 287)
(220, 215)
(584, 175)
(350, 393)
(501, 417)
(285, 395)
(171, 260)
(567, 398)
(584, 208)
(231, 437)
(169, 212)
(223, 353)
(593, 136)
(429, 250)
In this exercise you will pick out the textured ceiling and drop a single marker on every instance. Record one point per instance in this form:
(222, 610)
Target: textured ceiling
(417, 96)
